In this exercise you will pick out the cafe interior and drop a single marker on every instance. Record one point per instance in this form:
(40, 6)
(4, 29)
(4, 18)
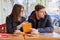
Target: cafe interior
(52, 8)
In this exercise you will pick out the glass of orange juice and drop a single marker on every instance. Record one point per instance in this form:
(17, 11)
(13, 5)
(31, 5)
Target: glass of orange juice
(27, 27)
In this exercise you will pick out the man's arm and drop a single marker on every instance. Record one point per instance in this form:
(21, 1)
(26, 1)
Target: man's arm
(48, 29)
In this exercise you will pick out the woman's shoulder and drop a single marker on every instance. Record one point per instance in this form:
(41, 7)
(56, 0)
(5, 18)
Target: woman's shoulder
(8, 17)
(23, 18)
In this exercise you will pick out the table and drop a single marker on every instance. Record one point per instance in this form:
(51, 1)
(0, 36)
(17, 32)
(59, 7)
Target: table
(46, 36)
(41, 36)
(57, 30)
(13, 37)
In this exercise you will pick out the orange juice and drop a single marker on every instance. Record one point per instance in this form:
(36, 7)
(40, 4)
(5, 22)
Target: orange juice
(27, 27)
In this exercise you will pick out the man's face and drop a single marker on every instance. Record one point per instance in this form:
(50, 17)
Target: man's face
(41, 13)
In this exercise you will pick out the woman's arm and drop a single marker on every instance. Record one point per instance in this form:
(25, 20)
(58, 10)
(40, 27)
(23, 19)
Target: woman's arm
(9, 26)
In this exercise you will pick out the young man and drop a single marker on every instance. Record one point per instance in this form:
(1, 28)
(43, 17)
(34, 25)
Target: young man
(40, 20)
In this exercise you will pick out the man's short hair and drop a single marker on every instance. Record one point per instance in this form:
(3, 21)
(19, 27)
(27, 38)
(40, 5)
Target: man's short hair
(38, 7)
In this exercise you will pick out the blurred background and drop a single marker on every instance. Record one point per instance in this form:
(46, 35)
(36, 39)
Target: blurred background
(52, 8)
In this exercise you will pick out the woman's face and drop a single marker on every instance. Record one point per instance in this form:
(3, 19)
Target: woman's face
(22, 12)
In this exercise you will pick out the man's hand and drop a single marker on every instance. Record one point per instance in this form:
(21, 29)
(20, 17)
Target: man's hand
(34, 31)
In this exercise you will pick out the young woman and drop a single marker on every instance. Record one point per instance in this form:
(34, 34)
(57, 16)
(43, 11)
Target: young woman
(15, 20)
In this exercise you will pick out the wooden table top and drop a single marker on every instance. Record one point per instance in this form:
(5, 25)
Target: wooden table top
(41, 36)
(12, 37)
(46, 36)
(35, 37)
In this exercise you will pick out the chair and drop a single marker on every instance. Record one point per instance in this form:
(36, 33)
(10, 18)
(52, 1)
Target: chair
(3, 28)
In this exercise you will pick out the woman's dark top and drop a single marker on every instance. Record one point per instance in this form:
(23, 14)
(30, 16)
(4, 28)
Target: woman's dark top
(12, 26)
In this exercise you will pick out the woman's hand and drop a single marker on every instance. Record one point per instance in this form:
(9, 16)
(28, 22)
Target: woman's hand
(19, 26)
(18, 32)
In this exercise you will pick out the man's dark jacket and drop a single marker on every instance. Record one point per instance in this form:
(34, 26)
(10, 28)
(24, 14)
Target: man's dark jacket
(43, 25)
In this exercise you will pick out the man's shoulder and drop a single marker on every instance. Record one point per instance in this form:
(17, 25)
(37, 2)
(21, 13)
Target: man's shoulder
(47, 16)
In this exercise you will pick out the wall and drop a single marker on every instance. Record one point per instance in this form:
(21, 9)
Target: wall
(5, 9)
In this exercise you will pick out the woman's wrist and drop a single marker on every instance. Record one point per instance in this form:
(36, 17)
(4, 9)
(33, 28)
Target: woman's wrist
(19, 26)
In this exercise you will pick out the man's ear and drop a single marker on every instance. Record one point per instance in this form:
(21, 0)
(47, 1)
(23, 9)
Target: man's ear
(35, 11)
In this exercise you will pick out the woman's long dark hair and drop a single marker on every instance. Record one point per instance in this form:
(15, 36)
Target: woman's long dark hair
(16, 12)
